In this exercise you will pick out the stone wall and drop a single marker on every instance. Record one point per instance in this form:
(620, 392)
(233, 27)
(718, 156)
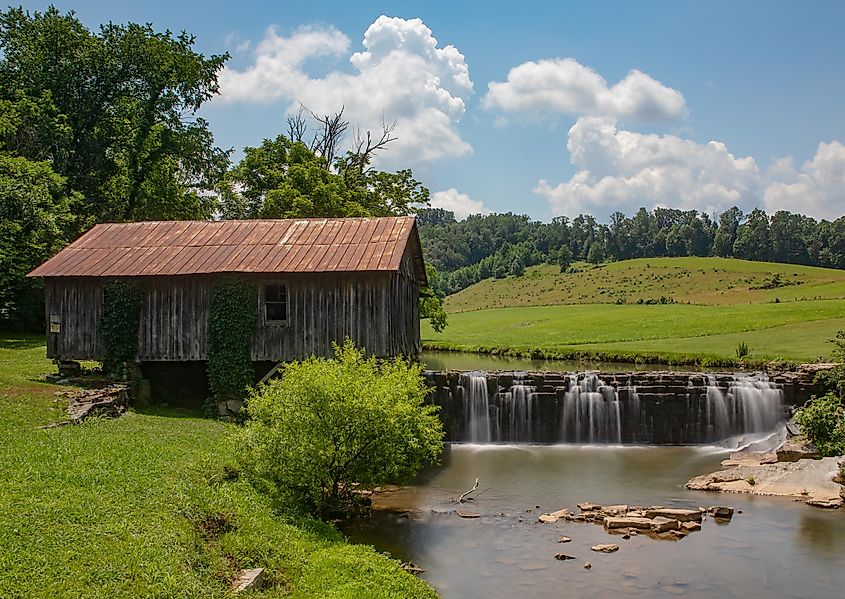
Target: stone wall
(653, 407)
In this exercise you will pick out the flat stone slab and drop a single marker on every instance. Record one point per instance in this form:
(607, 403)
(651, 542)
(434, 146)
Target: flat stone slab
(811, 480)
(662, 524)
(678, 514)
(467, 514)
(628, 522)
(605, 548)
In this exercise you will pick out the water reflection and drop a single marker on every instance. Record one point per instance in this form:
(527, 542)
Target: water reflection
(776, 547)
(443, 360)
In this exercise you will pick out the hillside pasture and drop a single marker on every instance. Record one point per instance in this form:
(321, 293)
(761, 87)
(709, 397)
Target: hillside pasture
(796, 331)
(706, 281)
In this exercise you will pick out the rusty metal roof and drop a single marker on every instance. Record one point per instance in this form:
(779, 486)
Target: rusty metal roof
(238, 246)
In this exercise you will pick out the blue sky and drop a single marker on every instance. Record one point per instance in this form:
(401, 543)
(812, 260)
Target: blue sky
(764, 80)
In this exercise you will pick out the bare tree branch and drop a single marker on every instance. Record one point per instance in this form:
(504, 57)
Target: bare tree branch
(327, 140)
(366, 145)
(297, 125)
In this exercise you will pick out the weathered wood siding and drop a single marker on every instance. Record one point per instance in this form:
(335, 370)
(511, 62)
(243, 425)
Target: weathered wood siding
(77, 305)
(378, 310)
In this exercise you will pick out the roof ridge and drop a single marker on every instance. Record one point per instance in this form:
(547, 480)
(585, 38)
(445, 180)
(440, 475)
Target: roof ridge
(166, 248)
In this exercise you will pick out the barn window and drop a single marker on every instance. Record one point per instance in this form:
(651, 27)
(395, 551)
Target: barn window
(275, 303)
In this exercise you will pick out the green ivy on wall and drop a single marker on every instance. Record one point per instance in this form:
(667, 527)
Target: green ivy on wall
(231, 323)
(119, 323)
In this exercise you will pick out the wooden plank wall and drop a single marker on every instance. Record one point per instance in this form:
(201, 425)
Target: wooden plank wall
(79, 306)
(378, 310)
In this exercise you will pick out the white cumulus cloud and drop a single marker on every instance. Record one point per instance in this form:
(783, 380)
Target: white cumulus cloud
(400, 75)
(817, 189)
(459, 203)
(622, 170)
(565, 86)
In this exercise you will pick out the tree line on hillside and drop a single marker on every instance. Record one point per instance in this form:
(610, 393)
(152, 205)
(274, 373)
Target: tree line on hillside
(102, 126)
(498, 245)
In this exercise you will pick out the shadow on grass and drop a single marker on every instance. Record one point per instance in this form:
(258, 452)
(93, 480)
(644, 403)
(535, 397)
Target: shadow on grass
(12, 341)
(165, 411)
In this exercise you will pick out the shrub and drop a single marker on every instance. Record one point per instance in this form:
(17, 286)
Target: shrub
(834, 379)
(329, 427)
(742, 350)
(822, 420)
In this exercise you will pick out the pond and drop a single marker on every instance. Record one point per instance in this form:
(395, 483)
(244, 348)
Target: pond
(774, 547)
(444, 360)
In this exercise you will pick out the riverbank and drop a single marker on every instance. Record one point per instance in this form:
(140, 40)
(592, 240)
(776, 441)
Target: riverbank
(596, 356)
(792, 470)
(150, 504)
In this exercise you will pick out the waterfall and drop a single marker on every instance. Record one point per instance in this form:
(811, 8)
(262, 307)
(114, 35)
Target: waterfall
(717, 420)
(516, 407)
(760, 402)
(592, 411)
(584, 408)
(476, 407)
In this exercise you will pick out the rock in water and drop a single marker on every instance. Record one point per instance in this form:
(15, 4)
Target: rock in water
(625, 522)
(547, 519)
(563, 557)
(467, 514)
(661, 524)
(564, 540)
(674, 513)
(605, 548)
(588, 565)
(718, 511)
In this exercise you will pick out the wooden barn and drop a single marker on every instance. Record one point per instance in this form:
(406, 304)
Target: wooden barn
(318, 280)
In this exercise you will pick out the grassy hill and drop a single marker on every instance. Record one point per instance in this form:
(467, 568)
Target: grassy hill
(780, 311)
(693, 280)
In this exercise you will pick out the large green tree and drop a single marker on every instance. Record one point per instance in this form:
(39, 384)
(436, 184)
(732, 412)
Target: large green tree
(34, 214)
(95, 127)
(124, 102)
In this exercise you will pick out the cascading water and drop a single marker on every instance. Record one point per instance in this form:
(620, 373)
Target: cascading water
(583, 408)
(477, 408)
(591, 412)
(516, 407)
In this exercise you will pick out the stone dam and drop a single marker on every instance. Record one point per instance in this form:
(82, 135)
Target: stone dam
(653, 408)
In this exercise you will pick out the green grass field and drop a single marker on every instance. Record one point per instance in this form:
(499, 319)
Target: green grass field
(596, 312)
(143, 506)
(693, 280)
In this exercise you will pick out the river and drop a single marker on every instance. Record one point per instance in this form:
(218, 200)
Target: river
(776, 547)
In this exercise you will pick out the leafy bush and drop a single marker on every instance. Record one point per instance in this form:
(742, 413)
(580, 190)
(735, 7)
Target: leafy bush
(331, 426)
(834, 379)
(822, 420)
(742, 350)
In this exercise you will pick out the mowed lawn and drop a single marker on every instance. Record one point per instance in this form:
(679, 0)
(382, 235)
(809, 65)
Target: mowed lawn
(791, 330)
(694, 280)
(149, 506)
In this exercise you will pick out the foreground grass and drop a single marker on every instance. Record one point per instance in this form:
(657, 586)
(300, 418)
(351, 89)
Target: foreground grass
(145, 506)
(694, 280)
(674, 333)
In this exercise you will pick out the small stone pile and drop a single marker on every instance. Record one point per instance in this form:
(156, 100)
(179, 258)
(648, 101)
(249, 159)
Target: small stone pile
(655, 521)
(107, 402)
